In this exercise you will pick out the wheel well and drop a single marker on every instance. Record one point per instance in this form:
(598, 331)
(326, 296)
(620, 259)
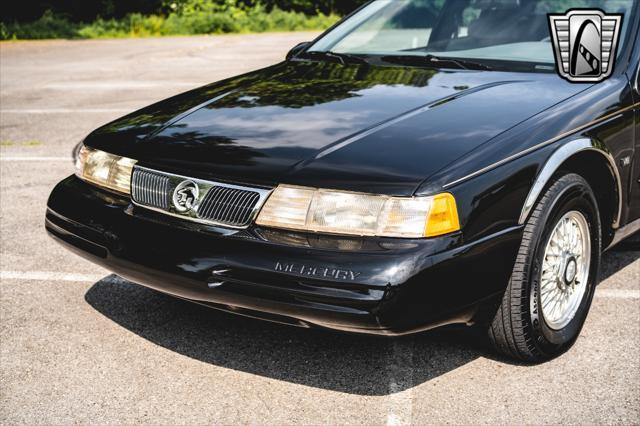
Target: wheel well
(595, 169)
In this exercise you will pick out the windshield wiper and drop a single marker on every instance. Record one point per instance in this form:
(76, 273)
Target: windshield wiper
(342, 57)
(463, 64)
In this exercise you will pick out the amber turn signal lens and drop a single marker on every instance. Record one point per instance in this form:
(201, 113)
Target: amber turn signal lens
(443, 217)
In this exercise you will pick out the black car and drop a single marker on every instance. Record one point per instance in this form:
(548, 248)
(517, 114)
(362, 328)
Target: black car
(420, 164)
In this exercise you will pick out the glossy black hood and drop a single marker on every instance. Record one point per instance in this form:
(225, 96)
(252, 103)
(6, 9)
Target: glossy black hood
(359, 127)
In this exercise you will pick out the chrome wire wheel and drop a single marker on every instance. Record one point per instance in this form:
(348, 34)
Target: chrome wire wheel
(565, 270)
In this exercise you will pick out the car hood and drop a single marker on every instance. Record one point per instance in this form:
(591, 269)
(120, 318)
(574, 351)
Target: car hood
(368, 128)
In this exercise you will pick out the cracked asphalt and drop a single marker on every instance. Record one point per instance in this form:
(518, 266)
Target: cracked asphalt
(80, 346)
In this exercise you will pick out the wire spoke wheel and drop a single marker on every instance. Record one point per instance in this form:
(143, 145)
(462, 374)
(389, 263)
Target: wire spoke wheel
(565, 270)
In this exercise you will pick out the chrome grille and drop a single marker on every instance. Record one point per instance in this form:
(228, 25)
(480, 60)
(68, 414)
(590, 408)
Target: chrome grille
(231, 206)
(217, 203)
(150, 189)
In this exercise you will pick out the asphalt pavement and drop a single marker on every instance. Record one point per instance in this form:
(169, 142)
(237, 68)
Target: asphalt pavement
(78, 345)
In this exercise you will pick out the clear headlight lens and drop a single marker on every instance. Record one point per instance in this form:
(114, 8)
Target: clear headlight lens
(103, 169)
(339, 212)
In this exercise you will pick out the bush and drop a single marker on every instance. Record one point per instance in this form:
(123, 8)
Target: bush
(48, 26)
(185, 18)
(134, 25)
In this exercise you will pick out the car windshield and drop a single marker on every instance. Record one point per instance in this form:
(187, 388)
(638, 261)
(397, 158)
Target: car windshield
(508, 32)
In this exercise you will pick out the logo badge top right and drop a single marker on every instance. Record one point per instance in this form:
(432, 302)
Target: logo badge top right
(585, 44)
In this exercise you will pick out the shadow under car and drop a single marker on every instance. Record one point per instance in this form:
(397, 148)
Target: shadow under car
(350, 363)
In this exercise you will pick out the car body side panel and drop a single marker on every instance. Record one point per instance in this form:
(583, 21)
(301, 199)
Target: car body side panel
(600, 102)
(493, 201)
(634, 205)
(514, 160)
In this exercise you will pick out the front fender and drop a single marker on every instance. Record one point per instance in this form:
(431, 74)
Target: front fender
(504, 196)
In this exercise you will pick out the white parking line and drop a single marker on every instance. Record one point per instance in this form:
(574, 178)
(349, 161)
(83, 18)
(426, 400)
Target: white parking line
(65, 159)
(119, 85)
(49, 276)
(67, 110)
(401, 372)
(602, 293)
(611, 293)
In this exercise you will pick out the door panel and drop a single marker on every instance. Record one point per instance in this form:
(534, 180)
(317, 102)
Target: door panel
(634, 204)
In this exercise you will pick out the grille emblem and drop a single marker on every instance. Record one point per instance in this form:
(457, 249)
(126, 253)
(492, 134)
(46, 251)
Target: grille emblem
(197, 200)
(185, 196)
(585, 44)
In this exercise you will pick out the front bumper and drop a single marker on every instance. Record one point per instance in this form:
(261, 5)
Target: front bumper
(381, 286)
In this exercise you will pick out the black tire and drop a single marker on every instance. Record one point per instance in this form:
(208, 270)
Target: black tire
(519, 329)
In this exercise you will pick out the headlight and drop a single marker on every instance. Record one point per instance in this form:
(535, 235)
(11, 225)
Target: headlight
(103, 169)
(339, 212)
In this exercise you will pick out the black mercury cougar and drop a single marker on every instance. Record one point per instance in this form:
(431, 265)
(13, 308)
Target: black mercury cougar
(420, 164)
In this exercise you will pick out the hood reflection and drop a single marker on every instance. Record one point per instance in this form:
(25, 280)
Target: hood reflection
(316, 124)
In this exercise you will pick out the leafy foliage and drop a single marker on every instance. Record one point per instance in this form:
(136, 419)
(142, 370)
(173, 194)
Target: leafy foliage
(89, 10)
(187, 17)
(124, 18)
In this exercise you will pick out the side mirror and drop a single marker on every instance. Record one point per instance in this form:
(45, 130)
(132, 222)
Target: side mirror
(297, 49)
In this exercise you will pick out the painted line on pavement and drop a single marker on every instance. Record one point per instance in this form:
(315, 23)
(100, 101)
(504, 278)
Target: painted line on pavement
(67, 110)
(612, 293)
(119, 85)
(65, 159)
(401, 376)
(49, 276)
(604, 293)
